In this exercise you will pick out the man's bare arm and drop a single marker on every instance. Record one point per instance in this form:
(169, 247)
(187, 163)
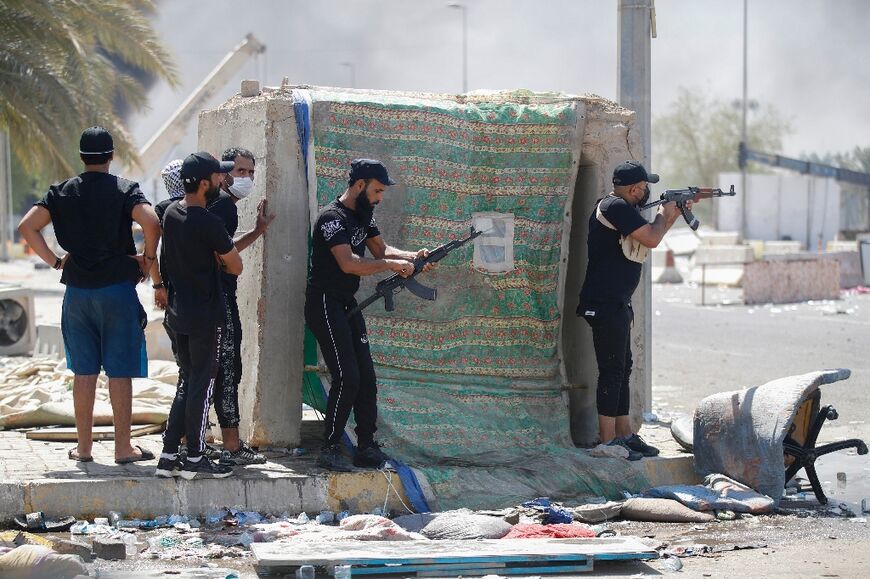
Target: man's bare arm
(31, 227)
(351, 263)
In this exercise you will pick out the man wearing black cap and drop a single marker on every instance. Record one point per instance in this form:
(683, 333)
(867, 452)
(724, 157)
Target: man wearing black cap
(341, 234)
(102, 320)
(196, 247)
(619, 240)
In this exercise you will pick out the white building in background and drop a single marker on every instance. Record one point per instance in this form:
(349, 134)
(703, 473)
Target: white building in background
(787, 207)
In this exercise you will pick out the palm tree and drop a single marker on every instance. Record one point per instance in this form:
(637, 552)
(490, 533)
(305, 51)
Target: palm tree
(56, 76)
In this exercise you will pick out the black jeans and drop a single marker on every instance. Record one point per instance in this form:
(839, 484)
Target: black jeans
(345, 347)
(611, 336)
(198, 358)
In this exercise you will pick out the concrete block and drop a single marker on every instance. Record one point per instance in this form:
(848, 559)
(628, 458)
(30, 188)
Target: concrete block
(723, 254)
(730, 275)
(782, 247)
(674, 470)
(719, 237)
(11, 501)
(66, 547)
(791, 280)
(842, 245)
(110, 549)
(49, 341)
(851, 274)
(250, 88)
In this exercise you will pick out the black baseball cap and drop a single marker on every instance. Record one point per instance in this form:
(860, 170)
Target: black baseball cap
(631, 172)
(369, 169)
(201, 165)
(96, 141)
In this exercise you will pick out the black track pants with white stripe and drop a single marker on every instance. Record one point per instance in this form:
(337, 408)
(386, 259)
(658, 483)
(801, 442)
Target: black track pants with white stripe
(198, 358)
(345, 347)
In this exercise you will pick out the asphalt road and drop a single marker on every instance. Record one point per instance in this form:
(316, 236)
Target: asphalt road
(700, 350)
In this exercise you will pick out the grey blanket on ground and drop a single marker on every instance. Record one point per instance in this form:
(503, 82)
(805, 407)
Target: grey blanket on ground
(458, 524)
(718, 493)
(740, 434)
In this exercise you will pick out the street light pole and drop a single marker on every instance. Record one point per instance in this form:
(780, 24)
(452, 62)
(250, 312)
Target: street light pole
(744, 200)
(462, 7)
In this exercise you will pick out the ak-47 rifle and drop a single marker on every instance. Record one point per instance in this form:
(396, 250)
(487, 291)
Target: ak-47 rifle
(680, 196)
(392, 285)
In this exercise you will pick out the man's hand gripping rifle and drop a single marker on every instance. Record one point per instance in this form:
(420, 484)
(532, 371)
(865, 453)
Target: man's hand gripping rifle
(680, 196)
(392, 285)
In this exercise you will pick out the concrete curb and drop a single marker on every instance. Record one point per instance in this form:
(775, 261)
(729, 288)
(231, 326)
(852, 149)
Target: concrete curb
(147, 497)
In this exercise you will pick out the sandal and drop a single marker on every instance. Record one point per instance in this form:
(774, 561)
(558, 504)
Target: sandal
(73, 454)
(146, 455)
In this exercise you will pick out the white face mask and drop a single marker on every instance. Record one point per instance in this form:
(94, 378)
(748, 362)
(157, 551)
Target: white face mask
(241, 187)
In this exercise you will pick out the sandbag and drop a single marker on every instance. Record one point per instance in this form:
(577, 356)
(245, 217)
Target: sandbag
(35, 561)
(662, 511)
(463, 524)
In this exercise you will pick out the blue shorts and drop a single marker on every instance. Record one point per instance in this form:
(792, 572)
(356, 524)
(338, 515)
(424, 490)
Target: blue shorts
(104, 328)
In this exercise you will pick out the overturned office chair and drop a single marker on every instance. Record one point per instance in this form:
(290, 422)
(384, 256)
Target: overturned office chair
(763, 436)
(800, 447)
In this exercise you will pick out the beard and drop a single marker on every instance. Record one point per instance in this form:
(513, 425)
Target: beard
(645, 198)
(363, 206)
(212, 194)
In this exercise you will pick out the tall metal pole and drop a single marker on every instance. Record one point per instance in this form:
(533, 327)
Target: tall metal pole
(744, 200)
(5, 195)
(635, 27)
(464, 10)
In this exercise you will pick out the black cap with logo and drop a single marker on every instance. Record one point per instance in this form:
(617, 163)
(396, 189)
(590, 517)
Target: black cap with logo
(201, 165)
(631, 172)
(369, 169)
(96, 141)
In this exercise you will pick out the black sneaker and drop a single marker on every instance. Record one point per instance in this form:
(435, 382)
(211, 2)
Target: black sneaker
(370, 457)
(636, 443)
(244, 455)
(632, 454)
(331, 458)
(209, 452)
(204, 468)
(168, 468)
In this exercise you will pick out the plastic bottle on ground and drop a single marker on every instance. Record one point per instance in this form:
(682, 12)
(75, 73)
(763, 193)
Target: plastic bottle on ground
(305, 572)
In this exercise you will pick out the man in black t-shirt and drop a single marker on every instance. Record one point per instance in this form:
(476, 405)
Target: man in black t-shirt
(226, 390)
(102, 320)
(342, 232)
(196, 247)
(619, 238)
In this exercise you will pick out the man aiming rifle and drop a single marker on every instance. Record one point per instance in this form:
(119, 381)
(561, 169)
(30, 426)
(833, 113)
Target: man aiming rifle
(343, 231)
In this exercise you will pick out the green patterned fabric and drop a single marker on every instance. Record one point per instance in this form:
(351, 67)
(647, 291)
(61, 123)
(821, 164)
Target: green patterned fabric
(471, 379)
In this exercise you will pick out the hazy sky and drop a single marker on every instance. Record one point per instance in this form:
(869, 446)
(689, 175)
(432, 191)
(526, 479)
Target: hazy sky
(806, 57)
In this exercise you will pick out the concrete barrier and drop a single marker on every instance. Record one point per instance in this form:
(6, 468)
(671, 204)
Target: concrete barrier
(782, 247)
(719, 237)
(790, 279)
(850, 266)
(663, 268)
(721, 264)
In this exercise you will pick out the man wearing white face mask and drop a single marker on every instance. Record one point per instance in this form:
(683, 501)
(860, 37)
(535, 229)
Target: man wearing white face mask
(237, 186)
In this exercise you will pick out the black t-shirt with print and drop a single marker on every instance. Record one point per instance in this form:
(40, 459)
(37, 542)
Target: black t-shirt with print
(337, 225)
(610, 276)
(224, 208)
(92, 218)
(191, 236)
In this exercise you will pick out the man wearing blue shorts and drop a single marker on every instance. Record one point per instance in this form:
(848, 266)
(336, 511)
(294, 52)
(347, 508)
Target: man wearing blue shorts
(102, 320)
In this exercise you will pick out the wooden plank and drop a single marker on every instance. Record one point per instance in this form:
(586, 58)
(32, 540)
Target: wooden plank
(326, 553)
(548, 570)
(69, 434)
